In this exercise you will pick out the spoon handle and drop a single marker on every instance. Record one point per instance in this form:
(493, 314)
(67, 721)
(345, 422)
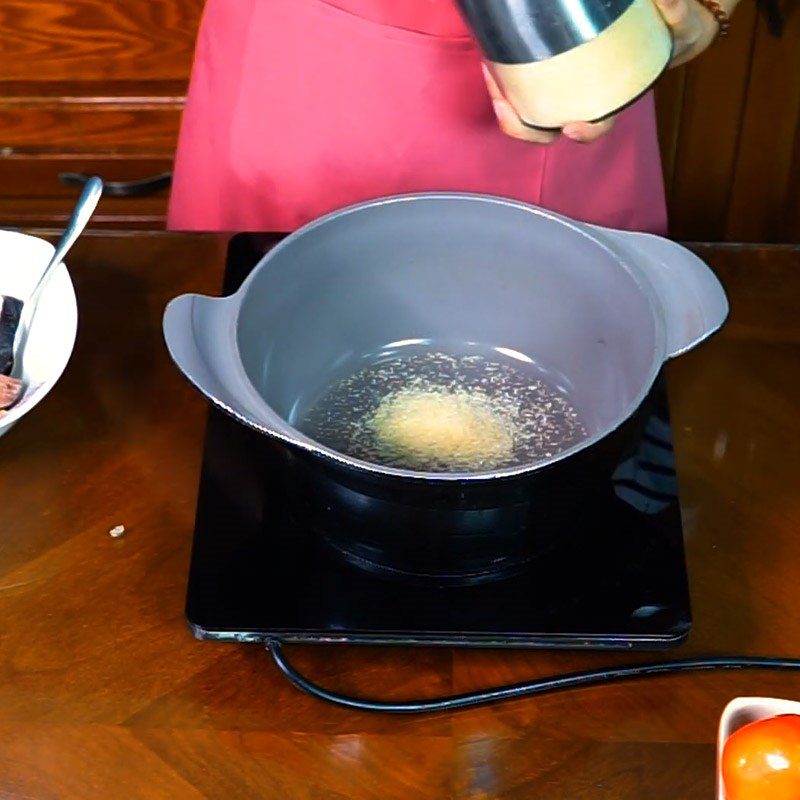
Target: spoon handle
(87, 202)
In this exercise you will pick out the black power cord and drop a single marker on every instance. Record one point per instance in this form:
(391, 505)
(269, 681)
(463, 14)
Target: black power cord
(557, 683)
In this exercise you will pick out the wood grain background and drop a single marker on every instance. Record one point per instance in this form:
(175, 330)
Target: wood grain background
(89, 84)
(730, 135)
(104, 694)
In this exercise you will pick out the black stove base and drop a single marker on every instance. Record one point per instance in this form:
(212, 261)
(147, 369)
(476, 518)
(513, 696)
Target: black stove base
(260, 570)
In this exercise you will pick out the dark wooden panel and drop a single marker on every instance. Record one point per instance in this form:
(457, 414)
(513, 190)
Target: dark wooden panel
(669, 105)
(713, 105)
(750, 296)
(791, 222)
(770, 138)
(89, 127)
(26, 177)
(97, 40)
(146, 213)
(96, 89)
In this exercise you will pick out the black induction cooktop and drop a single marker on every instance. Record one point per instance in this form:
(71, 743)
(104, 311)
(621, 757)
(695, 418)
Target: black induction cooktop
(260, 570)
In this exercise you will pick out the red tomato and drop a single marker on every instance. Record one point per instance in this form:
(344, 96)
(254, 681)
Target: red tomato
(761, 761)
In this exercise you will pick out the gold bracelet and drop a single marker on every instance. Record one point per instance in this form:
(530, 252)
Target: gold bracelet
(720, 15)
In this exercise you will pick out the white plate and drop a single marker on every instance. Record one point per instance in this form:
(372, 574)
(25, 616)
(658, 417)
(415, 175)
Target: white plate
(741, 712)
(55, 324)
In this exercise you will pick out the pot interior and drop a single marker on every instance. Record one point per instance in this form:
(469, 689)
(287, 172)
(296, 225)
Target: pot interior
(454, 274)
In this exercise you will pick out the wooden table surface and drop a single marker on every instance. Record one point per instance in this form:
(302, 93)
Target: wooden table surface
(104, 693)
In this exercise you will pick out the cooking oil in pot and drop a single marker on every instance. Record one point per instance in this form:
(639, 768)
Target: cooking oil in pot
(445, 412)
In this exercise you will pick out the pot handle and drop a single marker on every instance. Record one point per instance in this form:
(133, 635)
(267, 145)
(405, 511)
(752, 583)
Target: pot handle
(692, 298)
(200, 333)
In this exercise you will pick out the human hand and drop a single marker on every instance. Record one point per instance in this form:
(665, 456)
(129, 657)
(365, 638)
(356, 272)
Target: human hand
(693, 28)
(511, 125)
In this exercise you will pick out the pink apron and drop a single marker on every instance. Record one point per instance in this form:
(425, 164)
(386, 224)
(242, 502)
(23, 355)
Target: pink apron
(299, 107)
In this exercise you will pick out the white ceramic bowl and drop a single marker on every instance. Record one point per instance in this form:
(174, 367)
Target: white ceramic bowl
(52, 334)
(741, 712)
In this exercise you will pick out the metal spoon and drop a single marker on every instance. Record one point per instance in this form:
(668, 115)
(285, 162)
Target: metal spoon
(19, 315)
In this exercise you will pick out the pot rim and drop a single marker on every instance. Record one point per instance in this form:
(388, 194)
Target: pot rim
(298, 439)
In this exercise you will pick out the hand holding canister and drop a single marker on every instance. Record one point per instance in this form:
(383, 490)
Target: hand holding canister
(564, 61)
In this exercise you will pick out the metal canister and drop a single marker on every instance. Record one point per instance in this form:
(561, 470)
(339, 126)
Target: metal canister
(560, 61)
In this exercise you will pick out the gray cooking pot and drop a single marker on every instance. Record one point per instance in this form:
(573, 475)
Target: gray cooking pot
(603, 308)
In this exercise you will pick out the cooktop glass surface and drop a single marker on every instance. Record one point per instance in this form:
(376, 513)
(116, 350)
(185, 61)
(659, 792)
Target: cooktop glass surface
(260, 571)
